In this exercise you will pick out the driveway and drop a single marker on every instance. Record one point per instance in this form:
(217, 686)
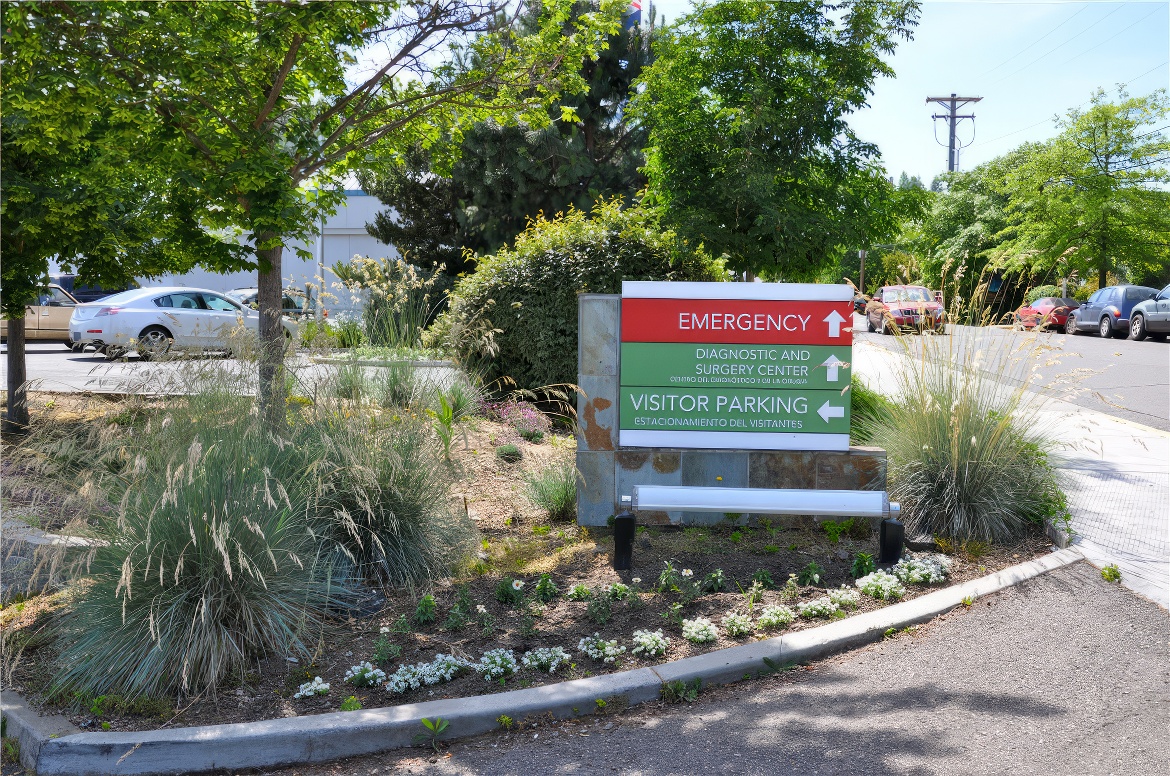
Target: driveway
(1065, 674)
(1126, 379)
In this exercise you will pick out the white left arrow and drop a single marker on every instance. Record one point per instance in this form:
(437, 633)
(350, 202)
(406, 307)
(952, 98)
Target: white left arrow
(832, 363)
(826, 411)
(834, 319)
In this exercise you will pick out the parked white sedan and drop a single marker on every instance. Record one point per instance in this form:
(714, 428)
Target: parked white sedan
(154, 321)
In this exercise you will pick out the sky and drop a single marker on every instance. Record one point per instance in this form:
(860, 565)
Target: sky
(1029, 61)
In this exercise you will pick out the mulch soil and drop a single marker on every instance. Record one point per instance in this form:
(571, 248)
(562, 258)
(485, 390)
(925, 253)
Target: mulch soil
(517, 541)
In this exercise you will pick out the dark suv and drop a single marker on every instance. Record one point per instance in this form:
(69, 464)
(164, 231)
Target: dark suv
(1108, 310)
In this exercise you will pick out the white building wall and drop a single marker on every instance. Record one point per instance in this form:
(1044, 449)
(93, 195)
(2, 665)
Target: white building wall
(345, 236)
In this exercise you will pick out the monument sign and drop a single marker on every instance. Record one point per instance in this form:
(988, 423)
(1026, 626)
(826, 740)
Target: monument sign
(749, 366)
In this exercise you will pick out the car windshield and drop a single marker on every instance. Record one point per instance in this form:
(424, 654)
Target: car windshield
(906, 295)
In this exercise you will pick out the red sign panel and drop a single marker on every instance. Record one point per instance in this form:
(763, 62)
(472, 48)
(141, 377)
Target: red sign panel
(734, 322)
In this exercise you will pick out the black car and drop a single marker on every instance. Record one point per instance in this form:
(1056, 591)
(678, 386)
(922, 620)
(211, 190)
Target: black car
(1108, 310)
(86, 293)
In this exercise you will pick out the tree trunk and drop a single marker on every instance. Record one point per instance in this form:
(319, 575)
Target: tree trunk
(1102, 276)
(270, 290)
(16, 418)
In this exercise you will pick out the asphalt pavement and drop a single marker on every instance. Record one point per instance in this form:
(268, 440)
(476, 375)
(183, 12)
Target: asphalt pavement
(985, 690)
(1119, 377)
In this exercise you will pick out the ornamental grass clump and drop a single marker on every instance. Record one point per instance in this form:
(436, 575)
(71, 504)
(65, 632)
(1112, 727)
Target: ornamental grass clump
(650, 643)
(206, 563)
(776, 616)
(547, 659)
(224, 536)
(699, 630)
(553, 488)
(881, 585)
(964, 440)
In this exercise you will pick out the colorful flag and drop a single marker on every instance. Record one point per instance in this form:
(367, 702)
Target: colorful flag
(633, 15)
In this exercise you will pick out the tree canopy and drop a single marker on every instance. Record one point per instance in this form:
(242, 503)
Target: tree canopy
(507, 173)
(1092, 200)
(750, 150)
(253, 102)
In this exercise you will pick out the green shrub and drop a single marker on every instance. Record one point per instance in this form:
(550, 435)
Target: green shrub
(509, 453)
(966, 452)
(553, 488)
(868, 408)
(348, 333)
(529, 292)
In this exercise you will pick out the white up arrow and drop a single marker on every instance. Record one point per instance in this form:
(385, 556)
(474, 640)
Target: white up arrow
(834, 320)
(832, 363)
(827, 412)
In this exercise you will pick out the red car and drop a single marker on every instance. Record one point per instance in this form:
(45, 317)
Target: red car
(1047, 312)
(913, 308)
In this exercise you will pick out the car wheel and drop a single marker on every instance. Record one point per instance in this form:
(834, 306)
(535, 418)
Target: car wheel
(869, 324)
(1137, 327)
(1070, 326)
(111, 353)
(1105, 327)
(885, 327)
(154, 342)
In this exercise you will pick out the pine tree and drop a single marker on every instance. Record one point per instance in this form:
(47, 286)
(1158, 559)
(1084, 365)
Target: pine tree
(506, 174)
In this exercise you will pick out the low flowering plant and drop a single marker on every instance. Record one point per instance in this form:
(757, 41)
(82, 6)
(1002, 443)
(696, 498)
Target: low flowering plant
(818, 607)
(599, 649)
(547, 659)
(497, 664)
(699, 630)
(881, 585)
(315, 687)
(529, 422)
(443, 668)
(776, 617)
(365, 675)
(736, 625)
(619, 591)
(650, 643)
(579, 593)
(845, 597)
(924, 569)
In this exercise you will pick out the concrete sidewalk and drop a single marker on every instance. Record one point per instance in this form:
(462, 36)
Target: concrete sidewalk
(987, 690)
(1117, 480)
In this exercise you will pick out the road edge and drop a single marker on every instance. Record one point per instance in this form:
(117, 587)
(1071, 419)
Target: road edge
(52, 750)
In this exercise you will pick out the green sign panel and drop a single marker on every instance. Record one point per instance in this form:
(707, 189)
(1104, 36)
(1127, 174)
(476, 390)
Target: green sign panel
(732, 409)
(772, 367)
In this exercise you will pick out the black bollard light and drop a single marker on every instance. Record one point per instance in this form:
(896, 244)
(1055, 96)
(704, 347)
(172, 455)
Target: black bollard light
(623, 540)
(892, 536)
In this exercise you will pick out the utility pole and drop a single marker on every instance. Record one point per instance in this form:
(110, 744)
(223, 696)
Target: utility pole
(861, 280)
(952, 104)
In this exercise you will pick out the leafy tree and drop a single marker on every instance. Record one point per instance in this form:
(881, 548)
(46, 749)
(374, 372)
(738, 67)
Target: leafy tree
(506, 174)
(74, 190)
(258, 101)
(750, 150)
(1092, 200)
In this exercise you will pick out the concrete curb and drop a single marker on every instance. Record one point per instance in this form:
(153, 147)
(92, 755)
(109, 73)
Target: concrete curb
(323, 737)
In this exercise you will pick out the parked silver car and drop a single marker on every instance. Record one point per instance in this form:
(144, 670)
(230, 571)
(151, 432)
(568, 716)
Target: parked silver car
(1151, 318)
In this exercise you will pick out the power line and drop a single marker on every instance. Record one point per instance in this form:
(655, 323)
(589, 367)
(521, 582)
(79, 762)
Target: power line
(1024, 50)
(1083, 104)
(1102, 43)
(1054, 48)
